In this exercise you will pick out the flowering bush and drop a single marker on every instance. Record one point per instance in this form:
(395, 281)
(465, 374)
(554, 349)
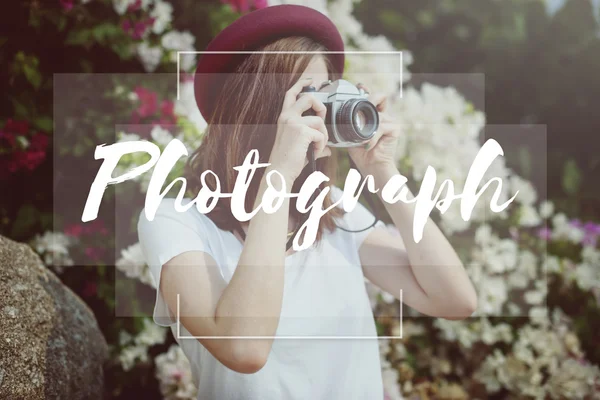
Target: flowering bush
(531, 261)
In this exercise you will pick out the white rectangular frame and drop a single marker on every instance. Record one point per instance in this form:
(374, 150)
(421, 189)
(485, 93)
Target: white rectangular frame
(288, 52)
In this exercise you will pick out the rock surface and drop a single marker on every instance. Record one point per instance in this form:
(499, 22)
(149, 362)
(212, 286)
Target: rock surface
(50, 343)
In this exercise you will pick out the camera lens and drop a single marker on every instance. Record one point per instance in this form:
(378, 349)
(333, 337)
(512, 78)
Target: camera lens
(360, 120)
(357, 120)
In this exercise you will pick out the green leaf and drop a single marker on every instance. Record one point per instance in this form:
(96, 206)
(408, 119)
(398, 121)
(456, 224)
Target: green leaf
(525, 161)
(20, 109)
(80, 37)
(106, 31)
(32, 75)
(43, 123)
(26, 218)
(571, 180)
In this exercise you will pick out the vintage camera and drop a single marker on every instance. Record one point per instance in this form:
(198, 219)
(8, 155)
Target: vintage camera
(351, 118)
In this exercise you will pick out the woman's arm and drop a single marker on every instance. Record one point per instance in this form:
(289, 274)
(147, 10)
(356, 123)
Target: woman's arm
(430, 274)
(250, 304)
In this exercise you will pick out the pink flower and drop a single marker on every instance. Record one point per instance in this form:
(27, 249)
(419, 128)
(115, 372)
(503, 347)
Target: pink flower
(177, 375)
(245, 5)
(39, 141)
(544, 233)
(67, 5)
(258, 4)
(94, 253)
(74, 230)
(18, 127)
(167, 113)
(137, 30)
(148, 103)
(126, 26)
(96, 226)
(8, 137)
(167, 108)
(28, 159)
(135, 6)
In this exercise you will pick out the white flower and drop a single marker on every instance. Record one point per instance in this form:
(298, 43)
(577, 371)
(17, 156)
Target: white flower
(573, 380)
(162, 14)
(125, 338)
(546, 209)
(493, 293)
(121, 6)
(539, 315)
(587, 276)
(529, 216)
(174, 375)
(53, 247)
(131, 355)
(491, 334)
(149, 56)
(535, 297)
(390, 383)
(161, 136)
(127, 137)
(553, 264)
(563, 230)
(487, 371)
(186, 107)
(133, 96)
(136, 349)
(527, 194)
(151, 334)
(483, 234)
(175, 40)
(133, 264)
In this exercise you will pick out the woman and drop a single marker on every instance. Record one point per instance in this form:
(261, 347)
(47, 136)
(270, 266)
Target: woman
(229, 281)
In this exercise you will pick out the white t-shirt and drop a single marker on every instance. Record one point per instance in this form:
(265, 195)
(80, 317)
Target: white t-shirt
(324, 295)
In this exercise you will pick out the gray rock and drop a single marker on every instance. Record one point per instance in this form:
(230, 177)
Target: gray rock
(50, 343)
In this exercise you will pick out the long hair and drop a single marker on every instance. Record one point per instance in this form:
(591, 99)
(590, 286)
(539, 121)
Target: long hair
(245, 118)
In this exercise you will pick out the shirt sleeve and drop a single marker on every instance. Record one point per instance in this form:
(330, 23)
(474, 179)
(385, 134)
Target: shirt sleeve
(169, 234)
(357, 219)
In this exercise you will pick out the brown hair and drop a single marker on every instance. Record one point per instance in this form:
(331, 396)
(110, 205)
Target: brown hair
(245, 118)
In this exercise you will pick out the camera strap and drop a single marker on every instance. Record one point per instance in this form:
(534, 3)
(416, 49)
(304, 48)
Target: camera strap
(368, 196)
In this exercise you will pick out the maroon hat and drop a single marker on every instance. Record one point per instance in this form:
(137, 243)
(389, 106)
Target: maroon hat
(256, 29)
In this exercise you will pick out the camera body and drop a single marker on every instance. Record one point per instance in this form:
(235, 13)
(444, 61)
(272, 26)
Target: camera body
(351, 118)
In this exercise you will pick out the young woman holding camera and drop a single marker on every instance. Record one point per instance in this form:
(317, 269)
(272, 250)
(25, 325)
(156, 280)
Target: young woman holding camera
(259, 321)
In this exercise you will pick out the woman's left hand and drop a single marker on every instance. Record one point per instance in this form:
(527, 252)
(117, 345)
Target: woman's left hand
(379, 152)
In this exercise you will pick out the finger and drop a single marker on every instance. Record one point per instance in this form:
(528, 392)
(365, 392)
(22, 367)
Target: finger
(307, 102)
(363, 87)
(314, 122)
(316, 137)
(326, 152)
(385, 118)
(292, 94)
(374, 140)
(390, 128)
(379, 100)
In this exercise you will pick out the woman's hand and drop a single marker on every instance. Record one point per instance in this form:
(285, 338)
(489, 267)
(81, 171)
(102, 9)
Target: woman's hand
(379, 152)
(296, 132)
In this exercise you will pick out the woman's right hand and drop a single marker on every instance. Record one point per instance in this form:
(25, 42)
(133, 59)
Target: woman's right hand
(296, 132)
